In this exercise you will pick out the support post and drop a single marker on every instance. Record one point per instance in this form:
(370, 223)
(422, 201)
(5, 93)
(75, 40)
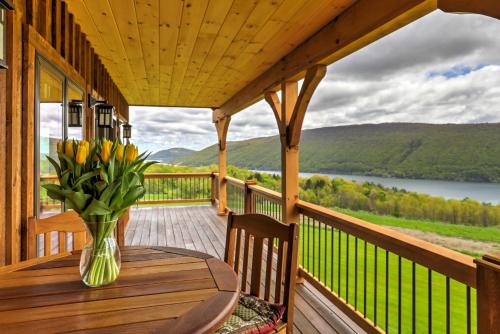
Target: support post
(213, 189)
(248, 197)
(222, 126)
(488, 294)
(290, 113)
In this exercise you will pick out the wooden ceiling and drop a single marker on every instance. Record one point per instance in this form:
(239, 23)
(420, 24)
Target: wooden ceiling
(196, 53)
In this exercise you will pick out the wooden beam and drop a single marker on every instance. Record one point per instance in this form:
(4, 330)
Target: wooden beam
(56, 25)
(361, 24)
(274, 102)
(483, 7)
(222, 126)
(311, 81)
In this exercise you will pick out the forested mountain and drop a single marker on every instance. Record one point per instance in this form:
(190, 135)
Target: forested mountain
(411, 150)
(171, 155)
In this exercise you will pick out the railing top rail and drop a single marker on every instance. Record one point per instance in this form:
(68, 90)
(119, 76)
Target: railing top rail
(271, 194)
(48, 177)
(235, 181)
(453, 264)
(176, 175)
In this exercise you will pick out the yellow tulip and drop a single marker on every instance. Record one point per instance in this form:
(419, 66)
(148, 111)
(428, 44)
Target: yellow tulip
(82, 152)
(119, 152)
(131, 153)
(106, 150)
(59, 147)
(68, 148)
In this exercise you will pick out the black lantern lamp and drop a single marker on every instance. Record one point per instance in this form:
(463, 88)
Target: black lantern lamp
(127, 131)
(4, 6)
(105, 115)
(75, 112)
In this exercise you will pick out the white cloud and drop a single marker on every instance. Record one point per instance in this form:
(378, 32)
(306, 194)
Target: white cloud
(443, 68)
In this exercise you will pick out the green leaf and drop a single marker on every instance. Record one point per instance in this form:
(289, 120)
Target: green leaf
(56, 166)
(96, 208)
(132, 196)
(78, 200)
(84, 177)
(108, 192)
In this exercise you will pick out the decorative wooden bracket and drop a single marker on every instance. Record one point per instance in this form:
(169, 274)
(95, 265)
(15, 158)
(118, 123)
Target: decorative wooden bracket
(290, 128)
(222, 125)
(483, 7)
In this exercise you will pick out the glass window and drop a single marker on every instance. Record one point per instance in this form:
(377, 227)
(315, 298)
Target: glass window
(53, 93)
(50, 130)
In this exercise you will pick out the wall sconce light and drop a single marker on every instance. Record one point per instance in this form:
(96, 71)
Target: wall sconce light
(127, 131)
(75, 112)
(4, 6)
(105, 115)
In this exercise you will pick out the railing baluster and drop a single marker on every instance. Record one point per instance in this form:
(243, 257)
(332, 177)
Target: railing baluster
(375, 263)
(399, 294)
(413, 298)
(447, 305)
(347, 270)
(364, 281)
(429, 292)
(355, 273)
(332, 267)
(387, 291)
(339, 264)
(314, 248)
(468, 310)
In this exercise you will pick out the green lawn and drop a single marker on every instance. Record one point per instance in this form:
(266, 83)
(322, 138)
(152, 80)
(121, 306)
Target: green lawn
(491, 234)
(318, 258)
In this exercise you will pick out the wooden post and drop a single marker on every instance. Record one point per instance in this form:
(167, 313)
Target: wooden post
(248, 197)
(488, 294)
(290, 113)
(222, 126)
(213, 189)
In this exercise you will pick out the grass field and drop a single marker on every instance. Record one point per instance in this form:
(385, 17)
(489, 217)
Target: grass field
(491, 234)
(326, 263)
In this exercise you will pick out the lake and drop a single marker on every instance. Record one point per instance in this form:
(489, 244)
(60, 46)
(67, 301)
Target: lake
(483, 192)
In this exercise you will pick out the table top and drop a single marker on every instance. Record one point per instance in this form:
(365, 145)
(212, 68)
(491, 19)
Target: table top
(160, 289)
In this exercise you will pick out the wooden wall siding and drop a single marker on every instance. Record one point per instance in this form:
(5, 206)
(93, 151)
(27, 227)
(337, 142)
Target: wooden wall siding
(190, 52)
(46, 26)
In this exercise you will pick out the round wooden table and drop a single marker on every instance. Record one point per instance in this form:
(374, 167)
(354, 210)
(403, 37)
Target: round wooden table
(160, 290)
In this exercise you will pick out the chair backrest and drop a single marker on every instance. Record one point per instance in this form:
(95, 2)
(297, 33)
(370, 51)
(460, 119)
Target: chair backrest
(253, 232)
(62, 223)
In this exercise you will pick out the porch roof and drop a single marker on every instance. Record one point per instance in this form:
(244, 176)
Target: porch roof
(225, 54)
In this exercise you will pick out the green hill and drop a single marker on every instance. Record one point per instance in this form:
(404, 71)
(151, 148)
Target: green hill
(172, 154)
(468, 152)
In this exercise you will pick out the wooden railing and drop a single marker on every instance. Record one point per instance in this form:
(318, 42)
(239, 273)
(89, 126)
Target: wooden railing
(162, 188)
(47, 203)
(384, 280)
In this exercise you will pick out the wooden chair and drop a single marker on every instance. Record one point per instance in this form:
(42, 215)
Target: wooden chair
(62, 223)
(260, 229)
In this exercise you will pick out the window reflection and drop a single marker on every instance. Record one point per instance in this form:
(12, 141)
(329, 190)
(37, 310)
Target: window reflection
(50, 107)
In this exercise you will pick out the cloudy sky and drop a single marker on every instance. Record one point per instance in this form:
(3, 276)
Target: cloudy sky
(443, 68)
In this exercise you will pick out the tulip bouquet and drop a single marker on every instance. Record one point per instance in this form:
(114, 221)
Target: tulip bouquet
(99, 180)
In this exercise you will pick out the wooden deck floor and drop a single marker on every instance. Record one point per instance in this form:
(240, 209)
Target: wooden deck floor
(199, 228)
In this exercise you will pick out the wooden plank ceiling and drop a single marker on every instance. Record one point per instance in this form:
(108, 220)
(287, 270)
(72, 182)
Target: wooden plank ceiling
(196, 53)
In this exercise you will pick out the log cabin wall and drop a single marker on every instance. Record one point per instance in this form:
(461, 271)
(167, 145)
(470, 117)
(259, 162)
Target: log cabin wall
(47, 28)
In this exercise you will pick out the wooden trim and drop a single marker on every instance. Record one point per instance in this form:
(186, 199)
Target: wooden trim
(361, 24)
(450, 263)
(354, 315)
(45, 49)
(483, 7)
(28, 159)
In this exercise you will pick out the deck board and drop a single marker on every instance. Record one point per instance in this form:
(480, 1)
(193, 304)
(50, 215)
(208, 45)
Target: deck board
(200, 228)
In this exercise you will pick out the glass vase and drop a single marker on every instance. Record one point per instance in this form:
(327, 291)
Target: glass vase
(100, 260)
